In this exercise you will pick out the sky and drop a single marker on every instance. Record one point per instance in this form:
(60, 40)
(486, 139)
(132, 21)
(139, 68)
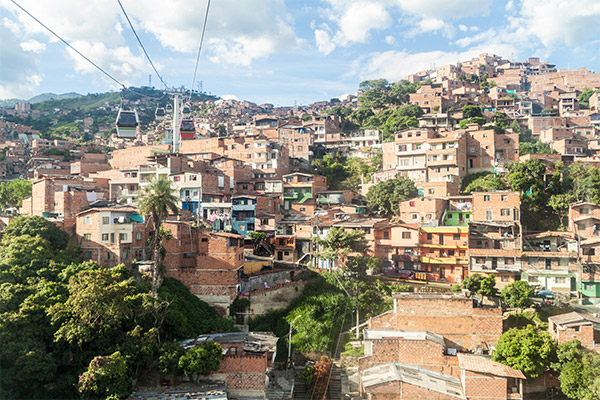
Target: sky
(282, 52)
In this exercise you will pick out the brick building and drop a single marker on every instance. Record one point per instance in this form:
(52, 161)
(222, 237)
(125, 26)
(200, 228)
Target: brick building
(576, 326)
(247, 360)
(111, 235)
(208, 263)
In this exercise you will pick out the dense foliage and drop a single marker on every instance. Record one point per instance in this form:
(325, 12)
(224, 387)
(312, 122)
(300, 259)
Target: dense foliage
(518, 294)
(13, 192)
(530, 350)
(346, 173)
(482, 285)
(579, 371)
(385, 197)
(59, 314)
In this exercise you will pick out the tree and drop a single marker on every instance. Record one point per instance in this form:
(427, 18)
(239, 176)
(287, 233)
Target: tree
(339, 243)
(471, 111)
(257, 238)
(201, 359)
(518, 294)
(584, 98)
(482, 182)
(13, 193)
(579, 371)
(483, 285)
(530, 350)
(168, 357)
(536, 147)
(37, 226)
(560, 205)
(156, 201)
(106, 378)
(385, 197)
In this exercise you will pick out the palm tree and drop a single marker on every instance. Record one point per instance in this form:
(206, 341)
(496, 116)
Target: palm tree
(156, 201)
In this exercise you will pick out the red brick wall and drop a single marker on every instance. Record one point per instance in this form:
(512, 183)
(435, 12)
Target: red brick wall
(454, 318)
(400, 390)
(482, 386)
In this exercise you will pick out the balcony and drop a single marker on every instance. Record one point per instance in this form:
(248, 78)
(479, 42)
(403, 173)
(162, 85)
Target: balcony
(243, 207)
(291, 196)
(443, 260)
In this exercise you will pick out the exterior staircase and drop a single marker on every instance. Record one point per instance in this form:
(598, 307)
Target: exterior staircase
(334, 391)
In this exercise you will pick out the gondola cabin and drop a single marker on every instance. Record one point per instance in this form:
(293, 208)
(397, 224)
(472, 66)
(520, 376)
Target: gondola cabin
(169, 108)
(127, 124)
(187, 129)
(160, 113)
(186, 111)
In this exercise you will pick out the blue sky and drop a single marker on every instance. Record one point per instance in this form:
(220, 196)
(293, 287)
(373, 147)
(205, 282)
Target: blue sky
(278, 51)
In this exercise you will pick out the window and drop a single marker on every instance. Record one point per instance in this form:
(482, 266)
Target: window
(177, 178)
(431, 191)
(87, 236)
(456, 236)
(125, 254)
(429, 236)
(479, 260)
(560, 280)
(105, 237)
(406, 235)
(487, 197)
(532, 279)
(505, 212)
(88, 255)
(504, 197)
(415, 217)
(504, 278)
(138, 236)
(509, 261)
(488, 215)
(386, 234)
(105, 220)
(204, 240)
(122, 236)
(87, 220)
(588, 286)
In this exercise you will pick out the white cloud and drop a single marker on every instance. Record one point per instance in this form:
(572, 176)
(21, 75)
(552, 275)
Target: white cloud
(463, 28)
(557, 22)
(355, 21)
(229, 97)
(323, 40)
(446, 8)
(20, 76)
(236, 32)
(33, 45)
(390, 40)
(118, 62)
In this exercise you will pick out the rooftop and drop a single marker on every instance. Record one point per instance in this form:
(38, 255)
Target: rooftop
(256, 342)
(574, 318)
(406, 335)
(485, 365)
(413, 375)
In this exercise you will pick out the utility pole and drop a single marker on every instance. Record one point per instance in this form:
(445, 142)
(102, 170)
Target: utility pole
(357, 310)
(579, 267)
(176, 137)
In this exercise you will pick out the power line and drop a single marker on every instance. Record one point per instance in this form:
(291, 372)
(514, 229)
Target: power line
(68, 45)
(199, 49)
(141, 45)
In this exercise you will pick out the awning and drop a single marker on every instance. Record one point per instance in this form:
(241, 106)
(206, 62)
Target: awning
(136, 218)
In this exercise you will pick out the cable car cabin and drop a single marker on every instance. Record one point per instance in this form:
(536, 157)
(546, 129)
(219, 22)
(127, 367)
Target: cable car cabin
(186, 111)
(187, 129)
(160, 113)
(169, 108)
(127, 124)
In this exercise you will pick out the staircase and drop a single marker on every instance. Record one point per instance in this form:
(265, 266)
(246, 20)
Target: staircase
(299, 389)
(334, 391)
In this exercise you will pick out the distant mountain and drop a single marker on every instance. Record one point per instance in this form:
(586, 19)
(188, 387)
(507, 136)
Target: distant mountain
(39, 98)
(52, 96)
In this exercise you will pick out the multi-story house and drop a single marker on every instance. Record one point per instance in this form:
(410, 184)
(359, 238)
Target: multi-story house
(549, 260)
(301, 190)
(111, 235)
(246, 210)
(495, 236)
(425, 211)
(397, 245)
(443, 252)
(459, 211)
(584, 222)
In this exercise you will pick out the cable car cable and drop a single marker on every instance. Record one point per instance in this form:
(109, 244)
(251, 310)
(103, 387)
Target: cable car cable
(68, 45)
(141, 45)
(199, 49)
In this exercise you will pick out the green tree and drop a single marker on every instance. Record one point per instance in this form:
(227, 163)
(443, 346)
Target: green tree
(106, 378)
(472, 282)
(339, 243)
(257, 238)
(482, 182)
(560, 203)
(471, 111)
(483, 285)
(584, 98)
(168, 357)
(518, 294)
(201, 359)
(37, 226)
(530, 350)
(385, 197)
(13, 193)
(579, 371)
(155, 202)
(536, 147)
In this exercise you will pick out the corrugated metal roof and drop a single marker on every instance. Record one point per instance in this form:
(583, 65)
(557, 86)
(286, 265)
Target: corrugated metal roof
(413, 375)
(407, 335)
(573, 317)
